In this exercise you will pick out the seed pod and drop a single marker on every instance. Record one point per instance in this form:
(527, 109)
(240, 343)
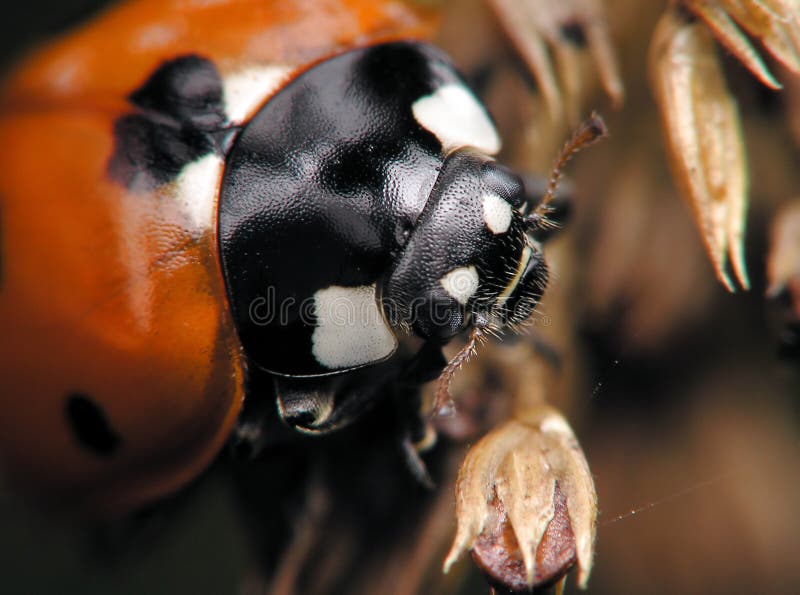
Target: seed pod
(526, 504)
(703, 135)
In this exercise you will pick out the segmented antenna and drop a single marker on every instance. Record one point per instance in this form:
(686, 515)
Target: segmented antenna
(589, 132)
(443, 403)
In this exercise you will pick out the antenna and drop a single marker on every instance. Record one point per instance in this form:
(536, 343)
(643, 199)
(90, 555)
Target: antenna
(443, 402)
(589, 132)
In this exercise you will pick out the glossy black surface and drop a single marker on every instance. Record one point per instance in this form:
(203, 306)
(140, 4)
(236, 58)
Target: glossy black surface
(178, 117)
(322, 404)
(451, 232)
(321, 189)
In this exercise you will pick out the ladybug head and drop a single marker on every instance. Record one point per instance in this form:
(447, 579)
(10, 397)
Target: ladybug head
(471, 259)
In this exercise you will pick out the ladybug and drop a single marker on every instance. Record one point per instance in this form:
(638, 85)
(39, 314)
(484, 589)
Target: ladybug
(204, 205)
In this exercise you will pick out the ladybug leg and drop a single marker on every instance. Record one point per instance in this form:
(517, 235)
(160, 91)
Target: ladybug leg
(425, 366)
(417, 433)
(305, 404)
(259, 425)
(319, 405)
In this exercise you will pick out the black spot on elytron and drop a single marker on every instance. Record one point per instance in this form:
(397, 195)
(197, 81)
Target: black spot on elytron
(574, 33)
(188, 89)
(90, 426)
(397, 72)
(179, 117)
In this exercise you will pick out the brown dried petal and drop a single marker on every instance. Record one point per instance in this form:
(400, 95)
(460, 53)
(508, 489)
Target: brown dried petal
(497, 553)
(704, 142)
(775, 23)
(512, 477)
(729, 35)
(533, 25)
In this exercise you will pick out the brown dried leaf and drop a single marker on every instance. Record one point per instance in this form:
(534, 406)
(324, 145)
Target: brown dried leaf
(729, 35)
(775, 23)
(704, 142)
(516, 472)
(535, 25)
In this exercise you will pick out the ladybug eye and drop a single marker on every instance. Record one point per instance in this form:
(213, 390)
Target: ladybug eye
(503, 182)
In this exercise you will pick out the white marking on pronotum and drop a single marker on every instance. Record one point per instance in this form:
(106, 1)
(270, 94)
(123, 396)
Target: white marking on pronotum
(246, 89)
(461, 283)
(457, 119)
(496, 213)
(196, 190)
(351, 330)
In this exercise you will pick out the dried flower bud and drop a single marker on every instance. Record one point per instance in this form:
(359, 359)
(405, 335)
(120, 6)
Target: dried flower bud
(704, 142)
(526, 504)
(497, 553)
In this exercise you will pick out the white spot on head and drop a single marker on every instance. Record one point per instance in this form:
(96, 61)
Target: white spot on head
(497, 213)
(461, 283)
(457, 119)
(351, 330)
(196, 189)
(247, 89)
